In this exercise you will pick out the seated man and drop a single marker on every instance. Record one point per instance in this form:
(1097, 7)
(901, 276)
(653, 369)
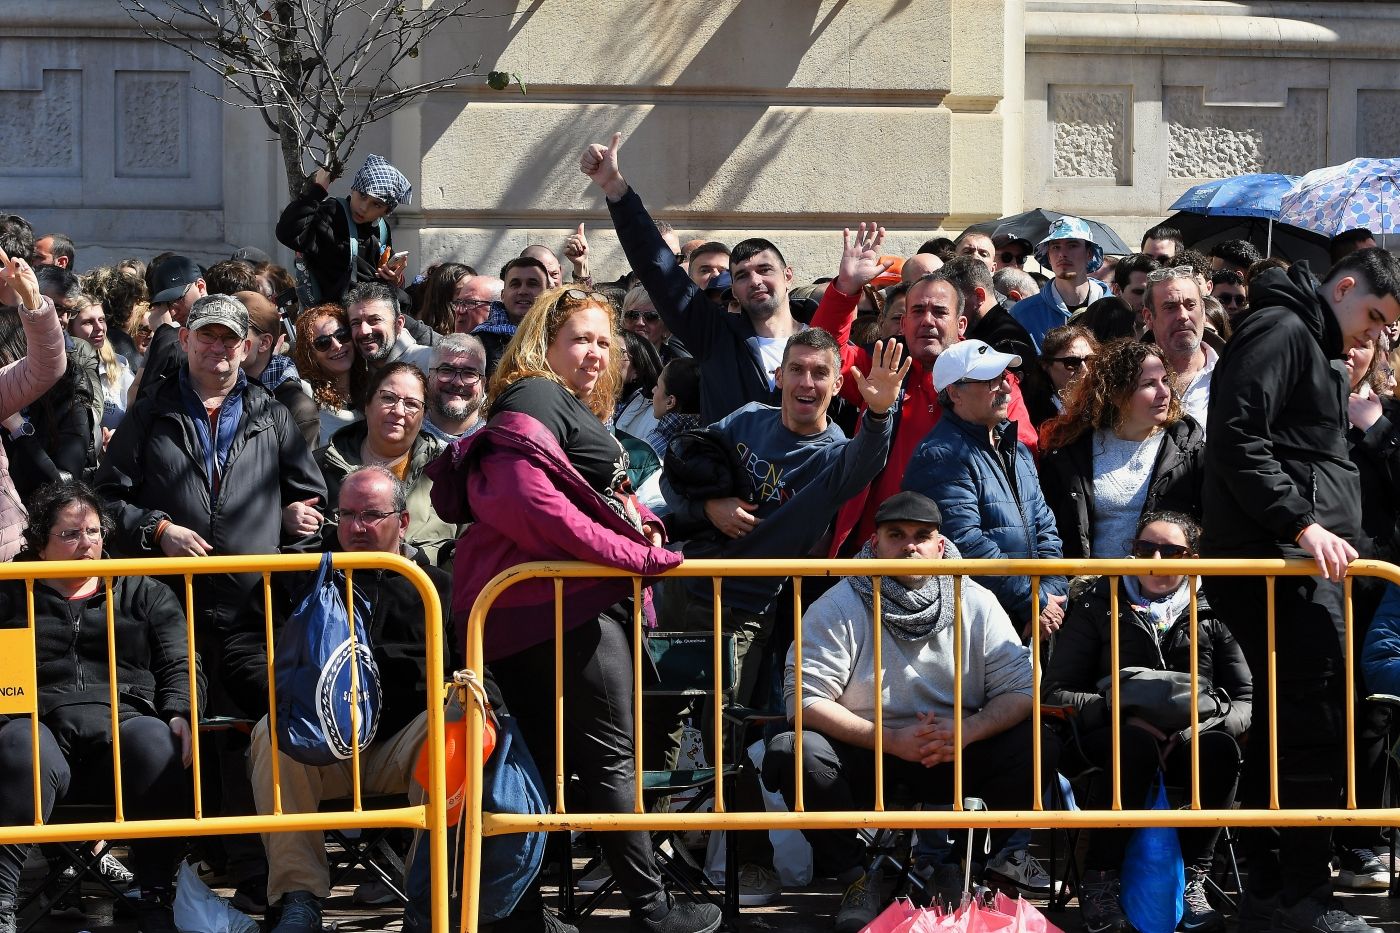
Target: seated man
(372, 516)
(838, 700)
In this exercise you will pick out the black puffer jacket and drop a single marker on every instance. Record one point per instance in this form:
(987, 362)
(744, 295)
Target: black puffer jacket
(153, 469)
(1067, 479)
(71, 647)
(314, 225)
(1276, 455)
(395, 629)
(1080, 658)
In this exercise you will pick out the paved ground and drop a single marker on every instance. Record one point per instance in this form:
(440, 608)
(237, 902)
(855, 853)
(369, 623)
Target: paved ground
(806, 910)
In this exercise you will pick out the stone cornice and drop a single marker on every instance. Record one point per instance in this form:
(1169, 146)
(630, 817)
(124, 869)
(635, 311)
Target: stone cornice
(1333, 30)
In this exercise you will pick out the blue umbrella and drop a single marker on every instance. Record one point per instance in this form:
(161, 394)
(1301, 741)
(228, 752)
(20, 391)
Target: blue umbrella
(1360, 193)
(1239, 196)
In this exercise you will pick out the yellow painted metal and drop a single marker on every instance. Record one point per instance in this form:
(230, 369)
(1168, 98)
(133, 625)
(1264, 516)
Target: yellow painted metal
(1195, 643)
(1272, 698)
(957, 693)
(191, 652)
(798, 803)
(717, 666)
(1039, 797)
(354, 693)
(479, 824)
(34, 720)
(1115, 721)
(560, 806)
(270, 638)
(878, 642)
(638, 806)
(1349, 647)
(115, 709)
(430, 816)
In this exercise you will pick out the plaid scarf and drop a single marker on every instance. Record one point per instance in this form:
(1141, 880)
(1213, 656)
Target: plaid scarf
(378, 179)
(279, 369)
(497, 322)
(909, 615)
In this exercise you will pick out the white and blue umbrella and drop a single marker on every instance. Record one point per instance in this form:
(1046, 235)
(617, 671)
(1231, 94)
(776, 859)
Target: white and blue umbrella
(1255, 195)
(1361, 193)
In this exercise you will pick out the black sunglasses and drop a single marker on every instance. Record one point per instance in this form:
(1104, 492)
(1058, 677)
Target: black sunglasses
(1231, 300)
(1150, 549)
(1071, 362)
(651, 317)
(323, 342)
(1013, 259)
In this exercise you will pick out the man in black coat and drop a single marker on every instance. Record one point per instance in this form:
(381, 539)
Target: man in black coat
(1279, 483)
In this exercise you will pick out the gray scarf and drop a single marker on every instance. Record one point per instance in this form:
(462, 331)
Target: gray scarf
(910, 615)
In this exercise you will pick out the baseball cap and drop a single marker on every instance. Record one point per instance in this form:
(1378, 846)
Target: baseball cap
(909, 506)
(173, 277)
(720, 282)
(970, 359)
(219, 309)
(251, 254)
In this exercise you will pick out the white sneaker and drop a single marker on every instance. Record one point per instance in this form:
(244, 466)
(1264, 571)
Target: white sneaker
(595, 879)
(1024, 872)
(758, 885)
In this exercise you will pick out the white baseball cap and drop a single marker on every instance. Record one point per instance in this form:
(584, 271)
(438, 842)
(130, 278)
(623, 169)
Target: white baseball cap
(970, 359)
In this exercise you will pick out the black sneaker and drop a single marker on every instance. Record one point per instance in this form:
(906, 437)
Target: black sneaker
(250, 896)
(301, 913)
(1198, 916)
(683, 917)
(1362, 870)
(153, 913)
(859, 905)
(1319, 912)
(1100, 909)
(1256, 913)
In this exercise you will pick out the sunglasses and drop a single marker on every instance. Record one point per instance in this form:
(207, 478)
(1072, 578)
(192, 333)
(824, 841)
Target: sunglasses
(1012, 259)
(651, 317)
(1231, 301)
(1071, 362)
(578, 294)
(323, 342)
(1150, 549)
(1175, 272)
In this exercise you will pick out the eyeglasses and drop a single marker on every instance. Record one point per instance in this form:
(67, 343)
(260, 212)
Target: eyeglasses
(651, 317)
(367, 517)
(1012, 259)
(392, 400)
(340, 336)
(1150, 549)
(1175, 272)
(71, 535)
(208, 340)
(1071, 362)
(143, 331)
(466, 304)
(455, 374)
(1229, 300)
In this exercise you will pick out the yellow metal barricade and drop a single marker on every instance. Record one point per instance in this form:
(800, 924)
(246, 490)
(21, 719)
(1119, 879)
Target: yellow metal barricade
(429, 816)
(480, 824)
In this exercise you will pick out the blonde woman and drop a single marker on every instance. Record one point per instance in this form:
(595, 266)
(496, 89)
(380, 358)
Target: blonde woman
(87, 321)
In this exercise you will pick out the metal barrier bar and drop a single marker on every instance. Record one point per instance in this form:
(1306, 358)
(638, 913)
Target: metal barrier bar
(717, 760)
(1349, 652)
(271, 694)
(957, 691)
(429, 816)
(637, 715)
(1039, 798)
(797, 801)
(560, 805)
(354, 693)
(1115, 691)
(479, 824)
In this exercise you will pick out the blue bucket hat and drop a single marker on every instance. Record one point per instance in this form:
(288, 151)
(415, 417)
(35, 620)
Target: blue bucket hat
(1070, 228)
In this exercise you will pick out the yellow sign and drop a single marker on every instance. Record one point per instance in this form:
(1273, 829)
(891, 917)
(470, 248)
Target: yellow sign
(18, 693)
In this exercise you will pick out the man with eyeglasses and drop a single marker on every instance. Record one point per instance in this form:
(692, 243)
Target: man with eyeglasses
(1164, 244)
(985, 481)
(456, 388)
(472, 301)
(274, 371)
(1175, 312)
(1279, 482)
(1231, 289)
(371, 515)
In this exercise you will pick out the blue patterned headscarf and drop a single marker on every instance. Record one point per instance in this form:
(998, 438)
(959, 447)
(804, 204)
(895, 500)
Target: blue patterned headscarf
(378, 179)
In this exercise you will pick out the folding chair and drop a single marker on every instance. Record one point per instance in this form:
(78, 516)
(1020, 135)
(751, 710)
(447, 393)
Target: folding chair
(370, 848)
(55, 887)
(684, 663)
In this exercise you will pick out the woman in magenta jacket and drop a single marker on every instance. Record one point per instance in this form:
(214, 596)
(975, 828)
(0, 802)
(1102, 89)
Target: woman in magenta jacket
(545, 480)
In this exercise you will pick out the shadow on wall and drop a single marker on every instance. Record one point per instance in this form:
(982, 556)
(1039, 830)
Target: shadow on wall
(758, 46)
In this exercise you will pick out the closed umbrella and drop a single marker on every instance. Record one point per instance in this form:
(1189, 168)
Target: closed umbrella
(1360, 193)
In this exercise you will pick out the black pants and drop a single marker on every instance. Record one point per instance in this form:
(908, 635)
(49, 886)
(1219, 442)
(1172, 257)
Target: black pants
(1220, 770)
(598, 721)
(837, 776)
(155, 785)
(1311, 697)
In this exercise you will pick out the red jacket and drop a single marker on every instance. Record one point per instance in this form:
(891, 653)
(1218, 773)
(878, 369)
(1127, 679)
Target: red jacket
(916, 414)
(527, 502)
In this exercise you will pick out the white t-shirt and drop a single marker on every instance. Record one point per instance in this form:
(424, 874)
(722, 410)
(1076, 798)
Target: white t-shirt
(770, 350)
(1196, 398)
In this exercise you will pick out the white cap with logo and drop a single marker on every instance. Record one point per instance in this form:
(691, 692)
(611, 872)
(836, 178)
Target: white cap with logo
(970, 359)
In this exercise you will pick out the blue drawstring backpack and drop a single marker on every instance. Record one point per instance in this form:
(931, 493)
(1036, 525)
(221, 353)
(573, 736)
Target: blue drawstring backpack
(313, 676)
(1154, 875)
(509, 862)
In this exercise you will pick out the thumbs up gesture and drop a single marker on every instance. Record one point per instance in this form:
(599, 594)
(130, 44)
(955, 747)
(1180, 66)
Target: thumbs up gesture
(576, 251)
(600, 164)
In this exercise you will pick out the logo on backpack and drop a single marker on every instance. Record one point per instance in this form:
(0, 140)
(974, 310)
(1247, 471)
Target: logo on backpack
(334, 698)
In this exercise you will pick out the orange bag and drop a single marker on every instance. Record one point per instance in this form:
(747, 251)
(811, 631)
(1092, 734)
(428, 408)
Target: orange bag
(455, 762)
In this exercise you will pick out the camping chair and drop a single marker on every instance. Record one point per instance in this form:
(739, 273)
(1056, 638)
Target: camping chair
(684, 666)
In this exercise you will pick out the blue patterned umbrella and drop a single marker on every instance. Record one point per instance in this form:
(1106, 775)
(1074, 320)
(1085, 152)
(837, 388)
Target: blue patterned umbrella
(1361, 193)
(1239, 196)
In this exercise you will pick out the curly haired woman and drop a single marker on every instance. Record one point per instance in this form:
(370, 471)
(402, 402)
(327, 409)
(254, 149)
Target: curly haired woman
(1123, 447)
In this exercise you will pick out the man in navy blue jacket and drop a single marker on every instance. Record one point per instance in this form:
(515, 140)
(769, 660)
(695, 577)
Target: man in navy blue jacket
(738, 353)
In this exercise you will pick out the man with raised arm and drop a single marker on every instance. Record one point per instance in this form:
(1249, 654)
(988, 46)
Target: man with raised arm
(740, 353)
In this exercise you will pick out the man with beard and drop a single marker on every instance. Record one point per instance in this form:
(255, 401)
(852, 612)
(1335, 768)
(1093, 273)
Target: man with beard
(377, 327)
(1069, 253)
(838, 700)
(739, 354)
(1175, 312)
(456, 388)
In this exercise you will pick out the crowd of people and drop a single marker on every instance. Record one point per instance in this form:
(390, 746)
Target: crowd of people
(958, 402)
